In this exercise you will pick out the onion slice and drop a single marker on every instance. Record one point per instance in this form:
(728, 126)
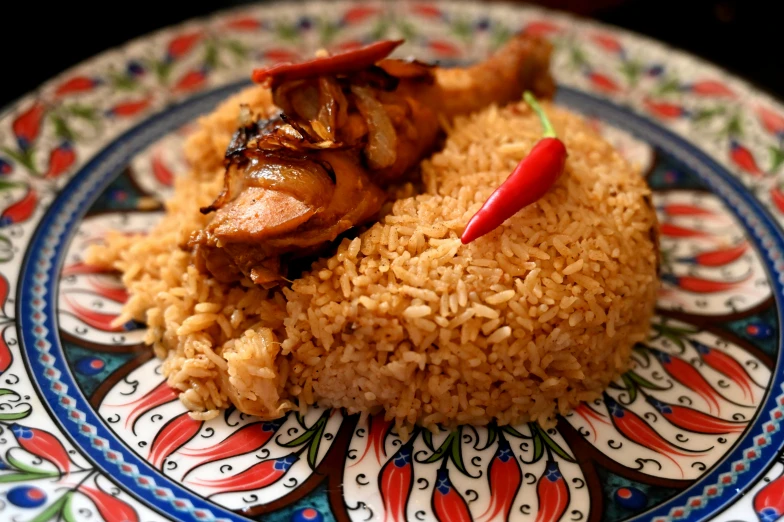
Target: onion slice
(381, 150)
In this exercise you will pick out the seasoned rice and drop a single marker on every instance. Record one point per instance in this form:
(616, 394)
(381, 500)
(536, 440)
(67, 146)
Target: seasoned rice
(521, 324)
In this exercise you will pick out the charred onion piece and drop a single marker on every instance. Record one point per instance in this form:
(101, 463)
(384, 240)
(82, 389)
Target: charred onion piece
(342, 63)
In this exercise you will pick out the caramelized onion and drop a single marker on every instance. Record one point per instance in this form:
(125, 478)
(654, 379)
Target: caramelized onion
(382, 139)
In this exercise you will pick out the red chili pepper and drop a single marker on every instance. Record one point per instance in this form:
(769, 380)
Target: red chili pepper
(529, 181)
(342, 63)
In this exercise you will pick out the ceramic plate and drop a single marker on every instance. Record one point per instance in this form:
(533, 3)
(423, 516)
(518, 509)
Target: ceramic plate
(89, 431)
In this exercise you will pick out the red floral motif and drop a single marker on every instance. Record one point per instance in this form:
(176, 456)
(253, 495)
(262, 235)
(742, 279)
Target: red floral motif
(280, 55)
(743, 158)
(42, 444)
(541, 28)
(771, 121)
(664, 110)
(676, 231)
(5, 352)
(395, 481)
(158, 396)
(602, 82)
(111, 508)
(359, 14)
(552, 493)
(250, 437)
(27, 125)
(769, 501)
(727, 366)
(258, 476)
(193, 80)
(161, 172)
(777, 196)
(378, 428)
(443, 48)
(590, 415)
(607, 42)
(130, 108)
(182, 45)
(111, 289)
(77, 84)
(710, 88)
(61, 158)
(688, 376)
(20, 210)
(448, 504)
(174, 434)
(687, 210)
(99, 320)
(701, 285)
(634, 428)
(426, 10)
(504, 478)
(718, 257)
(694, 420)
(243, 23)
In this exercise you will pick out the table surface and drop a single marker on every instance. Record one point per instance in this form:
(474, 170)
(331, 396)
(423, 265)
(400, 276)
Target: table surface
(742, 36)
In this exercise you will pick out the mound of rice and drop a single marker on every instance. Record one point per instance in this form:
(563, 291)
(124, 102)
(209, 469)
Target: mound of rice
(522, 324)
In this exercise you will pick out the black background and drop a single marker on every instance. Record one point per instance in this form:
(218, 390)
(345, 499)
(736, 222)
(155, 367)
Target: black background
(41, 39)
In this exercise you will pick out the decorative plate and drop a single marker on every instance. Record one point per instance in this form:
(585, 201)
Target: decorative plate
(88, 430)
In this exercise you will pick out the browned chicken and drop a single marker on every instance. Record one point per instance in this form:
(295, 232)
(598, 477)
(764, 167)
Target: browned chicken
(350, 124)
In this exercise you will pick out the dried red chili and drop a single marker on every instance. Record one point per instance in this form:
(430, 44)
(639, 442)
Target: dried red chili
(342, 63)
(528, 182)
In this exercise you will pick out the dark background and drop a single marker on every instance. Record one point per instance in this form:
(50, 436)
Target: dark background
(41, 39)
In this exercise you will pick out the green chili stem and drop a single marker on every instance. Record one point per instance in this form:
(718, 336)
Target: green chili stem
(530, 99)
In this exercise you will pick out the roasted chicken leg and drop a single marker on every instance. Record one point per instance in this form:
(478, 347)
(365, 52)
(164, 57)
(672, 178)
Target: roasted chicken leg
(349, 125)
